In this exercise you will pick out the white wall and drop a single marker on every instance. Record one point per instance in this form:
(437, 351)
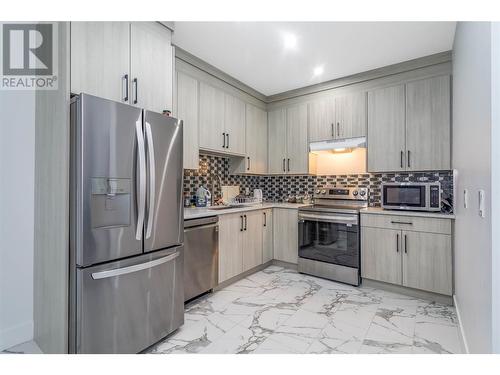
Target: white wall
(495, 184)
(472, 159)
(17, 147)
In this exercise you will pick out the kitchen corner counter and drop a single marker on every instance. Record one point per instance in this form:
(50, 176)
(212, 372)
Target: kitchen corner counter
(381, 211)
(196, 213)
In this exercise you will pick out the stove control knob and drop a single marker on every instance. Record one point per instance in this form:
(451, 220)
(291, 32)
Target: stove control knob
(363, 193)
(323, 191)
(318, 191)
(355, 193)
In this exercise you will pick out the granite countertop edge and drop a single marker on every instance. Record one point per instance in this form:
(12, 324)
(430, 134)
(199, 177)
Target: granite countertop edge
(381, 211)
(197, 213)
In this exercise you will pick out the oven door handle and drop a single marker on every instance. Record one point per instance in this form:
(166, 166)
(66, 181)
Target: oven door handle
(336, 219)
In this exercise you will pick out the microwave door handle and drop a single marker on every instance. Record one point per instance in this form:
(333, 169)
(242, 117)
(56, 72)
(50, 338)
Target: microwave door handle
(152, 179)
(141, 194)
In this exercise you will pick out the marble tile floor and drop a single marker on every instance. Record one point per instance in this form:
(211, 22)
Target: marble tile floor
(278, 310)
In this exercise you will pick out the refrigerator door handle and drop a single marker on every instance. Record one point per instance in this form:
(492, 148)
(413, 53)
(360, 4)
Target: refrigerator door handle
(141, 199)
(134, 268)
(152, 179)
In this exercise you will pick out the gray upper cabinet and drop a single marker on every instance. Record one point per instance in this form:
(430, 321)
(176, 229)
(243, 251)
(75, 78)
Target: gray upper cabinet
(222, 121)
(409, 126)
(187, 111)
(350, 115)
(151, 66)
(288, 142)
(322, 120)
(100, 59)
(428, 124)
(277, 141)
(297, 160)
(386, 129)
(255, 161)
(234, 124)
(211, 118)
(127, 62)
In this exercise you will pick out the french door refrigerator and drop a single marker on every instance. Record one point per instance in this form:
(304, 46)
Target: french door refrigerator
(126, 227)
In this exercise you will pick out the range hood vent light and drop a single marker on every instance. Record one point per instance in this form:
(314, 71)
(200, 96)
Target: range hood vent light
(337, 145)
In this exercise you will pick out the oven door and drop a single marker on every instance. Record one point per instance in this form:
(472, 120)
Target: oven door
(330, 238)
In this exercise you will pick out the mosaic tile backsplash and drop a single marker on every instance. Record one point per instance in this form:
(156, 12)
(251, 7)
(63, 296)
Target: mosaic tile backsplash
(278, 188)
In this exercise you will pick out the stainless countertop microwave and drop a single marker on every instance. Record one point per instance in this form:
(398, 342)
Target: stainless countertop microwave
(413, 196)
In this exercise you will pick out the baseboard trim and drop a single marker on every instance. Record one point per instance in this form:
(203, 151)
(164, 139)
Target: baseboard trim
(16, 335)
(463, 340)
(440, 298)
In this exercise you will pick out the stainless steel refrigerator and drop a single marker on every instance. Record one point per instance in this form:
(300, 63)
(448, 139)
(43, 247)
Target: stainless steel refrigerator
(126, 227)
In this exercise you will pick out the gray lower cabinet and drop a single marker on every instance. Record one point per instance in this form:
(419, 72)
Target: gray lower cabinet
(286, 235)
(230, 246)
(252, 239)
(381, 255)
(411, 258)
(267, 235)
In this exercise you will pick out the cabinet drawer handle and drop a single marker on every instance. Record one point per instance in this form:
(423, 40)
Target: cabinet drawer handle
(401, 222)
(397, 242)
(223, 140)
(406, 245)
(136, 99)
(125, 79)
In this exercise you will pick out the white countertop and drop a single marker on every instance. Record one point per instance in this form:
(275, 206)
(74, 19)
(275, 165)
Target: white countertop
(381, 211)
(196, 213)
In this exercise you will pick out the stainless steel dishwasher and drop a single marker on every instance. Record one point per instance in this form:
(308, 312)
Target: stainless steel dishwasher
(201, 256)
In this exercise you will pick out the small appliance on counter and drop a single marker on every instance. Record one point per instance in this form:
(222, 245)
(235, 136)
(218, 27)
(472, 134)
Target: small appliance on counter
(203, 197)
(412, 196)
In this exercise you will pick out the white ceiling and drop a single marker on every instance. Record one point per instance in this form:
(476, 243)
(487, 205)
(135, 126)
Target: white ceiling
(255, 52)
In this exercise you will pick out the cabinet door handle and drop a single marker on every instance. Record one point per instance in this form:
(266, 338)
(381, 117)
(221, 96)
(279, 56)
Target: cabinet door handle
(284, 170)
(227, 135)
(136, 99)
(397, 242)
(248, 167)
(409, 166)
(241, 226)
(265, 219)
(333, 131)
(338, 129)
(223, 140)
(406, 244)
(245, 221)
(401, 159)
(125, 83)
(288, 165)
(402, 222)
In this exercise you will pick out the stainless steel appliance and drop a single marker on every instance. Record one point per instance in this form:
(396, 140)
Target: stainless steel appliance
(201, 256)
(126, 228)
(418, 196)
(329, 237)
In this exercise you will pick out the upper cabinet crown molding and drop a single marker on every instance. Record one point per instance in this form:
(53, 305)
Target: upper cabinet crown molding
(129, 62)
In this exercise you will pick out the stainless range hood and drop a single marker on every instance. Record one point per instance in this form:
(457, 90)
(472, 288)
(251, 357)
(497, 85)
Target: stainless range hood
(337, 145)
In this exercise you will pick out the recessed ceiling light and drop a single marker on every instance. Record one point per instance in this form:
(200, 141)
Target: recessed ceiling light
(290, 41)
(318, 70)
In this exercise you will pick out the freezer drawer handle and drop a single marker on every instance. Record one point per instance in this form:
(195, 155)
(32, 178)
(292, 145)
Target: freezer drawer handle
(142, 179)
(134, 268)
(152, 179)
